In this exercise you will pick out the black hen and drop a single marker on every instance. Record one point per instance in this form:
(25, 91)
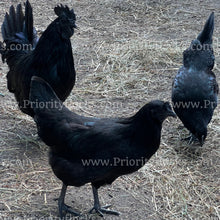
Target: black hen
(50, 57)
(195, 89)
(88, 150)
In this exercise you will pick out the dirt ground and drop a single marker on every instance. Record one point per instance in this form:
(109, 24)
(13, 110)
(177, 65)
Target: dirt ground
(126, 53)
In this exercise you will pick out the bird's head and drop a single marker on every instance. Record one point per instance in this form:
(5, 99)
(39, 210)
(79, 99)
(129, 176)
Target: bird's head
(200, 53)
(159, 110)
(66, 20)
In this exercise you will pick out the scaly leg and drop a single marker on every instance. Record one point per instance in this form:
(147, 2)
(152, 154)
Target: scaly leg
(100, 210)
(62, 206)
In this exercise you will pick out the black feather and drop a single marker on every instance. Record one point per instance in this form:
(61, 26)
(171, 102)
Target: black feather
(12, 16)
(4, 32)
(29, 22)
(7, 27)
(205, 37)
(19, 18)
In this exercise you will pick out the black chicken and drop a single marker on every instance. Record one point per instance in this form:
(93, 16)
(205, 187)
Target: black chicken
(124, 144)
(195, 89)
(50, 57)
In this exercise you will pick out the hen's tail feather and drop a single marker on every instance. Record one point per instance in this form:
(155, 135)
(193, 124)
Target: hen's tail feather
(205, 37)
(42, 92)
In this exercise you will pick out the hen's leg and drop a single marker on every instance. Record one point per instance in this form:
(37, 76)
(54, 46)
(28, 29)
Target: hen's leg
(62, 206)
(97, 208)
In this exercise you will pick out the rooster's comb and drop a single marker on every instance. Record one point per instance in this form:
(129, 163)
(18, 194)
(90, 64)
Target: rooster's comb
(64, 10)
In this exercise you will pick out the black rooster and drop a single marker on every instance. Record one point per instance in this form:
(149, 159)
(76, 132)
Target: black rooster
(50, 57)
(195, 89)
(123, 145)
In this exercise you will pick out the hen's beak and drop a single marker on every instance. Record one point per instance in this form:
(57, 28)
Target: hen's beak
(75, 26)
(202, 140)
(171, 113)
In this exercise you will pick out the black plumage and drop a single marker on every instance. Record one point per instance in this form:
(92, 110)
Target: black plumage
(195, 89)
(125, 144)
(50, 57)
